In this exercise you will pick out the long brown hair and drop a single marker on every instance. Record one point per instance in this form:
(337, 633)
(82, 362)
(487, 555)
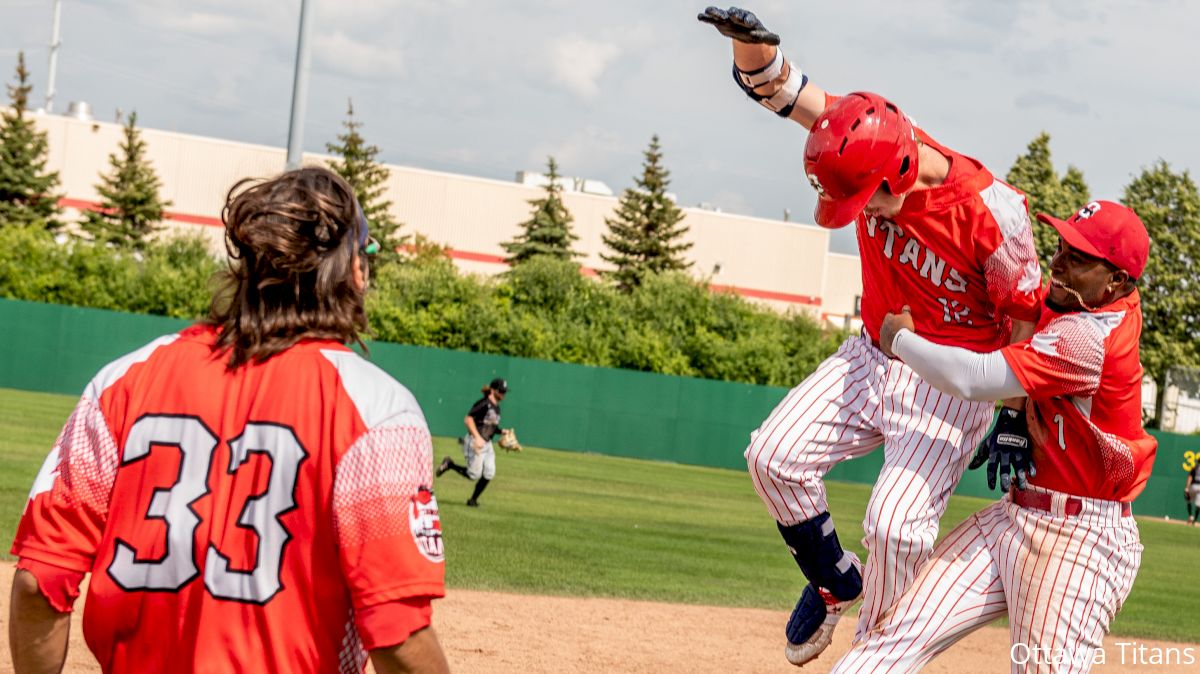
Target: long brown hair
(292, 244)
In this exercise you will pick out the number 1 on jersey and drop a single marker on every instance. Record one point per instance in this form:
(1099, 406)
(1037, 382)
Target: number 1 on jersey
(1062, 438)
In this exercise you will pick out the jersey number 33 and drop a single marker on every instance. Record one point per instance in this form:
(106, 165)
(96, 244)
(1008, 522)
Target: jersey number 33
(173, 506)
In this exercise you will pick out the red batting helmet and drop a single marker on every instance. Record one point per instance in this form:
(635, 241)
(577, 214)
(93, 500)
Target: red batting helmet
(859, 142)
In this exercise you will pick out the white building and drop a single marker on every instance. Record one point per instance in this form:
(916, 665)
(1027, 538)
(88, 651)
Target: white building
(785, 264)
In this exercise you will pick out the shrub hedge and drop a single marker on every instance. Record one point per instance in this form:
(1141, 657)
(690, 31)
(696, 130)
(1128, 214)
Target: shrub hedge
(170, 278)
(541, 309)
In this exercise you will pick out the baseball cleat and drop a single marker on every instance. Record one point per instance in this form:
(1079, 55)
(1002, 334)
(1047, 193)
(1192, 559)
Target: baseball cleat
(810, 629)
(444, 466)
(473, 503)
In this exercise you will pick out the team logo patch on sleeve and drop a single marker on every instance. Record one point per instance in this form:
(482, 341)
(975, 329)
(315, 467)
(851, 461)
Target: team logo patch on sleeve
(426, 525)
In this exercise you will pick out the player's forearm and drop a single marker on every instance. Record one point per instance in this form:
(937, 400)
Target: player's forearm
(811, 101)
(961, 373)
(421, 652)
(472, 428)
(37, 634)
(747, 57)
(1021, 331)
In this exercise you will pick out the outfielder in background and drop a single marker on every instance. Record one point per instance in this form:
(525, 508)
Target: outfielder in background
(935, 231)
(479, 453)
(1058, 557)
(1191, 492)
(248, 495)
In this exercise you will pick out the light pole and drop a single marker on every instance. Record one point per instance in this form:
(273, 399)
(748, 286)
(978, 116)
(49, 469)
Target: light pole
(54, 43)
(300, 88)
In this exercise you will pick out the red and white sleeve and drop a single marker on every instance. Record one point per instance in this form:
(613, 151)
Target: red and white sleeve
(1011, 270)
(389, 532)
(65, 516)
(1065, 357)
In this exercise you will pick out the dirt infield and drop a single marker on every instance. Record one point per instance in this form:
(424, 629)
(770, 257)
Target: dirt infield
(495, 633)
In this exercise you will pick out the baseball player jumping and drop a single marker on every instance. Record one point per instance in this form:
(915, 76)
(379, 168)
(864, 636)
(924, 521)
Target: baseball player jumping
(935, 231)
(1059, 556)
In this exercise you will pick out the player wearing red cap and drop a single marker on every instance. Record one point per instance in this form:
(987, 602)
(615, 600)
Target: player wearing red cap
(936, 231)
(1058, 557)
(248, 495)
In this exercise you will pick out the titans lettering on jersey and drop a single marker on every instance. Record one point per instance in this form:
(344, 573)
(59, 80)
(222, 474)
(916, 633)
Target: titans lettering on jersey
(923, 260)
(960, 255)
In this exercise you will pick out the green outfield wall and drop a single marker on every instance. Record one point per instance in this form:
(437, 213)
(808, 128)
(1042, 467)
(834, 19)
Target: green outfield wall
(57, 349)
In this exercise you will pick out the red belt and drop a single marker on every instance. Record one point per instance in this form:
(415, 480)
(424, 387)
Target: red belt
(1040, 500)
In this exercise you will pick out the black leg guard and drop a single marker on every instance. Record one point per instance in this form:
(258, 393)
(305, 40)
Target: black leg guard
(806, 617)
(815, 547)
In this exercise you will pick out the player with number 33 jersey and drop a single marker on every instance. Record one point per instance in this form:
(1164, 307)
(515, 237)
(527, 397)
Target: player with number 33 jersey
(245, 497)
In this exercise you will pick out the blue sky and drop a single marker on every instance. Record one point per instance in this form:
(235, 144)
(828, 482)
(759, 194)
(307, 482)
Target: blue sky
(491, 88)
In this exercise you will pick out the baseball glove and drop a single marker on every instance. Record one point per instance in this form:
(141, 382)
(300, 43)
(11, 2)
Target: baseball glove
(508, 440)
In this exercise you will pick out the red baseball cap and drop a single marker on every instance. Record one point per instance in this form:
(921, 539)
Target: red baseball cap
(1109, 231)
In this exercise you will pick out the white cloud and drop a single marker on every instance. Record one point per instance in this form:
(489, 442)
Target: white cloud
(461, 155)
(345, 55)
(1049, 100)
(210, 18)
(202, 23)
(730, 201)
(227, 92)
(578, 63)
(584, 151)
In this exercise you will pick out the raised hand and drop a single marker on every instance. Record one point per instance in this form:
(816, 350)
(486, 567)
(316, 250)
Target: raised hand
(739, 24)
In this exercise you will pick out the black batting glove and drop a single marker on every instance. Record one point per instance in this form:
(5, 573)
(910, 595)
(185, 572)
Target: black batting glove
(739, 24)
(984, 451)
(1009, 451)
(982, 454)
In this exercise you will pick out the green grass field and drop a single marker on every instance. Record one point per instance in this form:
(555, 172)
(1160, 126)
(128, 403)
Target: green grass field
(568, 523)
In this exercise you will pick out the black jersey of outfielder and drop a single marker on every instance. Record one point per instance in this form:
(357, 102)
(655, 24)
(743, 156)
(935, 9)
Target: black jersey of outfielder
(487, 417)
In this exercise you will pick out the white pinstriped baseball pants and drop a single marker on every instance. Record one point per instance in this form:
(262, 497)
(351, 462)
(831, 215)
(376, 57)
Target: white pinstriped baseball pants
(855, 401)
(1060, 579)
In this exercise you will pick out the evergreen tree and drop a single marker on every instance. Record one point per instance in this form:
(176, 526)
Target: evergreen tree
(369, 178)
(1033, 173)
(1169, 204)
(131, 209)
(26, 189)
(644, 235)
(548, 230)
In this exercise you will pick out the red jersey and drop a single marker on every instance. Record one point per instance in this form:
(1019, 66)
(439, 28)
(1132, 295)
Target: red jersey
(960, 255)
(1084, 380)
(249, 520)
